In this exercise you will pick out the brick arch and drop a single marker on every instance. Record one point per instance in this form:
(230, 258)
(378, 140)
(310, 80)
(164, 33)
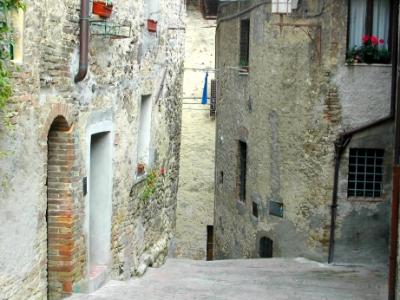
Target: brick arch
(57, 110)
(61, 175)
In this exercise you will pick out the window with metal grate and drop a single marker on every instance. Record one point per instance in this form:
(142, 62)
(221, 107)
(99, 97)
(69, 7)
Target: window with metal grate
(244, 43)
(365, 173)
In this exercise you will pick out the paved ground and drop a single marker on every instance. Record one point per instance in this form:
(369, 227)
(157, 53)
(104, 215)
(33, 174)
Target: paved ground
(263, 279)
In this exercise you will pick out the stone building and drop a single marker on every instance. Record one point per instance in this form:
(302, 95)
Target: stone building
(195, 210)
(89, 182)
(304, 133)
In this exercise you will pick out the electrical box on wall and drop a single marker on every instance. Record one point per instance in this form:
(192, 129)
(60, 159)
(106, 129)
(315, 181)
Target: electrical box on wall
(283, 6)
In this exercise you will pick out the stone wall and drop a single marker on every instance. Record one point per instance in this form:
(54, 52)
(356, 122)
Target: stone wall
(108, 100)
(290, 107)
(195, 209)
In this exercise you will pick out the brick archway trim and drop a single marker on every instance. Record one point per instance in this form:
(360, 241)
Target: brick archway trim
(57, 109)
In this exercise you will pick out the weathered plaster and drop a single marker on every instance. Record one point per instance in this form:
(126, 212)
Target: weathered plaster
(295, 100)
(109, 95)
(196, 181)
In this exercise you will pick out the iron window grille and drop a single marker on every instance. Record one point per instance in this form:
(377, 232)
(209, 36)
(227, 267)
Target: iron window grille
(365, 173)
(244, 43)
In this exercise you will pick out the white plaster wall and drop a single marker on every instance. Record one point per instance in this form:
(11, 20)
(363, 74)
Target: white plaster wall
(364, 92)
(196, 179)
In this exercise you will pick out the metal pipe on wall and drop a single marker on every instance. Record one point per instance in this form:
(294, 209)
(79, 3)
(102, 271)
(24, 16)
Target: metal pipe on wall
(394, 230)
(83, 41)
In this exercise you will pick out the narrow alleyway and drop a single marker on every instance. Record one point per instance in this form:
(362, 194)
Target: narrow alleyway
(267, 279)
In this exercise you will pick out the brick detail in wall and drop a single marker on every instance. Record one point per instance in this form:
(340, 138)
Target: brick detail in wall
(332, 108)
(62, 177)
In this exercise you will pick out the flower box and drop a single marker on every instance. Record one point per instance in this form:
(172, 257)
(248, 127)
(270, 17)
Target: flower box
(102, 9)
(151, 25)
(371, 51)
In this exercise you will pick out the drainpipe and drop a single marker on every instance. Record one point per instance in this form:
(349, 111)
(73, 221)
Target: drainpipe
(83, 41)
(394, 229)
(340, 145)
(344, 139)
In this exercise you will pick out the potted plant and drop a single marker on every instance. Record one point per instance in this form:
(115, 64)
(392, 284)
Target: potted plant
(102, 8)
(140, 168)
(371, 51)
(152, 25)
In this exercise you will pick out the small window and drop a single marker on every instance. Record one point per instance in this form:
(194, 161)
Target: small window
(16, 44)
(143, 145)
(281, 6)
(209, 8)
(369, 18)
(244, 43)
(365, 173)
(241, 175)
(255, 209)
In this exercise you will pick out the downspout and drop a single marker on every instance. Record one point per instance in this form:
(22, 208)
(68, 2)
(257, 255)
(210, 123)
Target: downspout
(344, 139)
(83, 41)
(340, 145)
(394, 230)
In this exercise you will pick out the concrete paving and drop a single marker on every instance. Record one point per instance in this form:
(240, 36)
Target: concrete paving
(262, 279)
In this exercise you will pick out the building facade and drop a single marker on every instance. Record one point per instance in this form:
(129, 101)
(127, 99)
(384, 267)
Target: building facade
(195, 210)
(295, 153)
(90, 176)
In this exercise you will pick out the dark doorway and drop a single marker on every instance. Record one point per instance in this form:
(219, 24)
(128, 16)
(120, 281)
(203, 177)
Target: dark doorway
(242, 169)
(210, 242)
(266, 246)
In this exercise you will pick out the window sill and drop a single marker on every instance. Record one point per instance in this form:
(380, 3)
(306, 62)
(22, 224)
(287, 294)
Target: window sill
(254, 219)
(368, 65)
(243, 73)
(366, 199)
(17, 62)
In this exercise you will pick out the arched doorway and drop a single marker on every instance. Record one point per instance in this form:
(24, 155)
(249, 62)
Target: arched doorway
(59, 214)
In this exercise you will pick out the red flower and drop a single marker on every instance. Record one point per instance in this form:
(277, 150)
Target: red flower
(162, 171)
(381, 41)
(365, 39)
(374, 40)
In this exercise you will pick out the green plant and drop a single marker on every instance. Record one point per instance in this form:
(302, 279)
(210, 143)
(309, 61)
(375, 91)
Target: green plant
(371, 51)
(150, 187)
(6, 6)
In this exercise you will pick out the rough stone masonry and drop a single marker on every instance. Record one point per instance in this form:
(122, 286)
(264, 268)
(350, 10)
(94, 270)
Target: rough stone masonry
(195, 209)
(66, 134)
(286, 109)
